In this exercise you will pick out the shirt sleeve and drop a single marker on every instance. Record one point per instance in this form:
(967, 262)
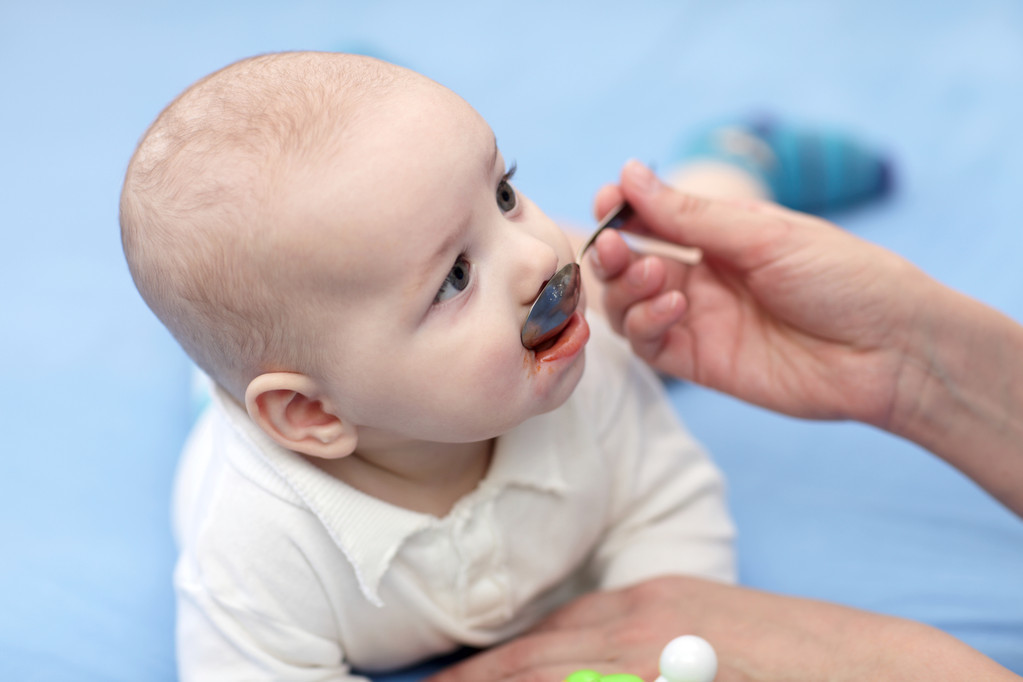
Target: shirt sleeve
(250, 601)
(668, 509)
(222, 641)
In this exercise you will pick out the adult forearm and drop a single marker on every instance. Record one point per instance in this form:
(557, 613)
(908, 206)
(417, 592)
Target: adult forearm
(759, 637)
(960, 393)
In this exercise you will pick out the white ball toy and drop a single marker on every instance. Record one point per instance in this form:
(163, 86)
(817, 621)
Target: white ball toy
(688, 659)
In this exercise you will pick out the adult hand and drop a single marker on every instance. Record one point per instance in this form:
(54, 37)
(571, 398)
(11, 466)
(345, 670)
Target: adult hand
(785, 310)
(794, 314)
(757, 636)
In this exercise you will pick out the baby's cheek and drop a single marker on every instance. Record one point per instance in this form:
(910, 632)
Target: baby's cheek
(498, 371)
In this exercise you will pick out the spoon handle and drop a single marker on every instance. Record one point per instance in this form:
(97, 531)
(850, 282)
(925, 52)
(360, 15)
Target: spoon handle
(614, 219)
(647, 245)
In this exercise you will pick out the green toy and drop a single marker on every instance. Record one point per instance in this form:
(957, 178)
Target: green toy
(594, 676)
(685, 659)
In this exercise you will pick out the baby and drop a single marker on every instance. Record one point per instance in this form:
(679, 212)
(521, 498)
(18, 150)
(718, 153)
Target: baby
(386, 473)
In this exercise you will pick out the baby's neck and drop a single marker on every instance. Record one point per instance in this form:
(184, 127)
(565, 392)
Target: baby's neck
(425, 477)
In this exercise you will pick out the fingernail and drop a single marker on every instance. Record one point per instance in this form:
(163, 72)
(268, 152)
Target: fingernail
(662, 305)
(598, 267)
(642, 177)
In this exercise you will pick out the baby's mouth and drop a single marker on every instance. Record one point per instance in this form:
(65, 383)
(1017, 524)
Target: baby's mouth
(569, 341)
(557, 334)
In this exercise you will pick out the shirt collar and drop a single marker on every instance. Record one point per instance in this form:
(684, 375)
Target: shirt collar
(370, 532)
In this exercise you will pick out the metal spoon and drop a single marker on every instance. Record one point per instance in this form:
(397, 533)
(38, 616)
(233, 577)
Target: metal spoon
(560, 296)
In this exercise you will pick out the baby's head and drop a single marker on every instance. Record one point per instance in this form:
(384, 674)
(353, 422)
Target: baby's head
(335, 241)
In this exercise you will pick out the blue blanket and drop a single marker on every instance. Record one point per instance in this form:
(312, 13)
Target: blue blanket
(95, 400)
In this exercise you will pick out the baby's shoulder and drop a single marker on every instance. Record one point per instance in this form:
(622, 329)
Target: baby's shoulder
(227, 486)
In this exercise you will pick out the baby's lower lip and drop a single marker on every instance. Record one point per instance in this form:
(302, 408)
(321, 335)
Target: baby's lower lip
(569, 342)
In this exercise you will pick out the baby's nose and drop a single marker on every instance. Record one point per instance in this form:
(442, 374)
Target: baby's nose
(536, 266)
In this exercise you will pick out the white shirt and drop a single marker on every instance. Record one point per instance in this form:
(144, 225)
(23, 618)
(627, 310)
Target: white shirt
(287, 573)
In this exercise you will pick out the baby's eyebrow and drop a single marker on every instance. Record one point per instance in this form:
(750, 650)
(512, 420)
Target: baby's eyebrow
(493, 157)
(437, 259)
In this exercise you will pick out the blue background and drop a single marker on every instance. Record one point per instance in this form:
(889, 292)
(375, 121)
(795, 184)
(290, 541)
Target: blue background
(95, 400)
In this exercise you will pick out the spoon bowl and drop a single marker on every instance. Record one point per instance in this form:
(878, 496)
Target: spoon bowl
(553, 307)
(559, 298)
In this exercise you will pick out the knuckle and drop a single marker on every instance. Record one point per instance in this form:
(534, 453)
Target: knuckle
(686, 207)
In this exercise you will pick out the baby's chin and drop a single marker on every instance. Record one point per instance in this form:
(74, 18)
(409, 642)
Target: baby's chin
(566, 385)
(555, 370)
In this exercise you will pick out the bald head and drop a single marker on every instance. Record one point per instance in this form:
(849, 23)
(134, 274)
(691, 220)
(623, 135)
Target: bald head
(199, 198)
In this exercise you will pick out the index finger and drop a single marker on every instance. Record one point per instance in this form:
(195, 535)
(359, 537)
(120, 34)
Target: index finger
(741, 233)
(606, 199)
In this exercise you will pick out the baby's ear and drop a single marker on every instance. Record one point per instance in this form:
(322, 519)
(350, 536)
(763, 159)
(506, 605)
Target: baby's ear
(290, 409)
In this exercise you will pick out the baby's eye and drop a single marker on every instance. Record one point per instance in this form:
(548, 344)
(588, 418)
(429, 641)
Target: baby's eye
(456, 281)
(506, 199)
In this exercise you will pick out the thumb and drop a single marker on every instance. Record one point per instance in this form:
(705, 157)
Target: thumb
(725, 230)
